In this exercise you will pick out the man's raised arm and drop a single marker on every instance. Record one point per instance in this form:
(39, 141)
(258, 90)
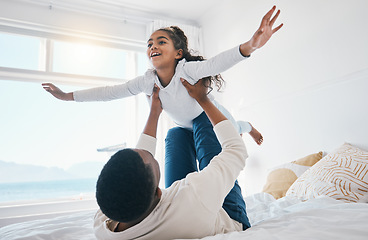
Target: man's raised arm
(215, 181)
(147, 140)
(156, 109)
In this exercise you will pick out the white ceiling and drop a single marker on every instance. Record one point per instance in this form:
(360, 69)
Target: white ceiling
(187, 10)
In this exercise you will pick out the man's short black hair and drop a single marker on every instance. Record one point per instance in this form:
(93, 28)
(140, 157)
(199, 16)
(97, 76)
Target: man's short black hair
(125, 187)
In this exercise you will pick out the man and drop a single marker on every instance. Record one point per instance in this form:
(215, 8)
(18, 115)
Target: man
(132, 206)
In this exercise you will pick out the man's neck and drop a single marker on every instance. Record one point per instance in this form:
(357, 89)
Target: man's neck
(122, 226)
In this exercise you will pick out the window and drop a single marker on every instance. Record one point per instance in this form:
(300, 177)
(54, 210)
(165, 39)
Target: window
(49, 145)
(45, 139)
(85, 59)
(19, 51)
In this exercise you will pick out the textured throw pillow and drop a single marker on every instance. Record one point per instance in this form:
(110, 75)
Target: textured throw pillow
(342, 174)
(282, 177)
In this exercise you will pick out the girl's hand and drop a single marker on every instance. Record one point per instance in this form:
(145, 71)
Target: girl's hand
(56, 92)
(263, 34)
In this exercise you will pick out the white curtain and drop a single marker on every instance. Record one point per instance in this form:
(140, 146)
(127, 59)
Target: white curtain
(193, 33)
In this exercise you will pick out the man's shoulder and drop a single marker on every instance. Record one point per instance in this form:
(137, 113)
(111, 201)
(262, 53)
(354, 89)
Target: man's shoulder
(179, 189)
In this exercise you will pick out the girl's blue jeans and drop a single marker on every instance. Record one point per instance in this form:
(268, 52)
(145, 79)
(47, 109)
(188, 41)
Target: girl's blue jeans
(184, 146)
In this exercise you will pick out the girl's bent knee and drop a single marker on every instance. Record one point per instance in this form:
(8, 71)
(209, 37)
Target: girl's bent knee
(177, 134)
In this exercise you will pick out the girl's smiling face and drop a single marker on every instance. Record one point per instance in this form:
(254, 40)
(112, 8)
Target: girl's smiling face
(161, 51)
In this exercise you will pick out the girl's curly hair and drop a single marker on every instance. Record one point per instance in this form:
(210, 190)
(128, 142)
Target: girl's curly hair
(181, 42)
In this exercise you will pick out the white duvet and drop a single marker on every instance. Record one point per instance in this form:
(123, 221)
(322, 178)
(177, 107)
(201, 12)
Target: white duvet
(286, 218)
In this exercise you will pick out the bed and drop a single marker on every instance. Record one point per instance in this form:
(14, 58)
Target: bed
(327, 200)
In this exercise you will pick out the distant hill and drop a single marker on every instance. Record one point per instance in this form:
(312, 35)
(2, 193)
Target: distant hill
(13, 172)
(86, 169)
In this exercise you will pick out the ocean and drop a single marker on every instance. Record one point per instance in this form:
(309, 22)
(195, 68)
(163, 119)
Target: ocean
(10, 192)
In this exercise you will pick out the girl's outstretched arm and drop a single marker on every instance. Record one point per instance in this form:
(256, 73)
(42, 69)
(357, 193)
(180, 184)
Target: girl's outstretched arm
(56, 92)
(106, 93)
(195, 70)
(263, 34)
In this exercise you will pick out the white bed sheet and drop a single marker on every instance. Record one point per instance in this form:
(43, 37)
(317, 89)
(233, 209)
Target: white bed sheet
(286, 218)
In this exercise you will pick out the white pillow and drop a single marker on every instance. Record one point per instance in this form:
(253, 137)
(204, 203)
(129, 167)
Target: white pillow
(280, 178)
(342, 174)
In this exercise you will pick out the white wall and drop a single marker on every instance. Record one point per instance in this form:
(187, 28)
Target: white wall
(306, 90)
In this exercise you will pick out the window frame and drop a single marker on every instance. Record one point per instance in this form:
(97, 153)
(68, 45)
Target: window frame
(49, 34)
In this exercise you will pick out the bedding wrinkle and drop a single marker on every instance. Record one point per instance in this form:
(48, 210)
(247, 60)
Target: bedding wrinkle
(286, 218)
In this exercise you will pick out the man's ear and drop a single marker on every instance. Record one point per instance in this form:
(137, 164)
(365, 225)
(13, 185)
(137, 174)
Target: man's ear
(158, 192)
(179, 54)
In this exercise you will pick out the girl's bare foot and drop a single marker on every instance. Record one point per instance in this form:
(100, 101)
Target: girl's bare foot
(257, 136)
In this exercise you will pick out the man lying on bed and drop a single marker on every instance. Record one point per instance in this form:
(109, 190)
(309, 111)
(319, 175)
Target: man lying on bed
(132, 206)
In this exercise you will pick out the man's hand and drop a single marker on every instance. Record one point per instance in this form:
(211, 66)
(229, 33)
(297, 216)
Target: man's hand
(197, 91)
(156, 109)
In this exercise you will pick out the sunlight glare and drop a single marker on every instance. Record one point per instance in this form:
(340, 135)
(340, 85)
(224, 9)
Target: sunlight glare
(84, 57)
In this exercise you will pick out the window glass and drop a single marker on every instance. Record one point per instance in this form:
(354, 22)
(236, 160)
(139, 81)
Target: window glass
(92, 60)
(142, 101)
(18, 51)
(52, 148)
(143, 63)
(49, 147)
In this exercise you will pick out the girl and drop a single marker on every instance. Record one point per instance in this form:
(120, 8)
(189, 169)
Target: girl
(167, 49)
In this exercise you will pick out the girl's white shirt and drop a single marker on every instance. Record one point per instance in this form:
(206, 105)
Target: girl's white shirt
(174, 97)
